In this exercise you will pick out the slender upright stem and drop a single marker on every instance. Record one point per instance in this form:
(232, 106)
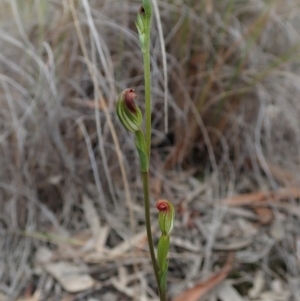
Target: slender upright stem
(144, 26)
(148, 108)
(145, 178)
(163, 295)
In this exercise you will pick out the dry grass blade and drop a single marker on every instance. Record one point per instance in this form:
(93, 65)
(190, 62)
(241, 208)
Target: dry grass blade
(35, 297)
(256, 197)
(245, 199)
(99, 96)
(91, 104)
(99, 233)
(265, 215)
(70, 276)
(139, 240)
(201, 289)
(261, 200)
(227, 293)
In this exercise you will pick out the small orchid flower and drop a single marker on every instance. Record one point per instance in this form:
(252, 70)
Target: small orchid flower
(128, 112)
(165, 216)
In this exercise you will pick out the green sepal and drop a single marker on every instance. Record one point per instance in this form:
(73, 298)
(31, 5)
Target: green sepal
(162, 261)
(163, 278)
(162, 252)
(140, 24)
(142, 37)
(140, 144)
(148, 9)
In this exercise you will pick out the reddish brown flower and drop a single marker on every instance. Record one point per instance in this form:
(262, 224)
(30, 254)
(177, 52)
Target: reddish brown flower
(129, 97)
(162, 205)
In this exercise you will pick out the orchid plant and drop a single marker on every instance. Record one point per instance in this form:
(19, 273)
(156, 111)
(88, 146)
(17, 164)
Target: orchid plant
(132, 119)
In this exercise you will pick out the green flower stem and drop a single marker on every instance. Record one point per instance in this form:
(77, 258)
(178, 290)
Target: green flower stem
(148, 107)
(163, 295)
(143, 24)
(145, 175)
(140, 144)
(145, 178)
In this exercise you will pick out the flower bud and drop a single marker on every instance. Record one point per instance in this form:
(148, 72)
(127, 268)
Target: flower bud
(143, 22)
(141, 26)
(128, 112)
(165, 216)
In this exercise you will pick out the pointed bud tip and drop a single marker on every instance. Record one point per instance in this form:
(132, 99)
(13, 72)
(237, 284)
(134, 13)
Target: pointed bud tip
(142, 10)
(129, 97)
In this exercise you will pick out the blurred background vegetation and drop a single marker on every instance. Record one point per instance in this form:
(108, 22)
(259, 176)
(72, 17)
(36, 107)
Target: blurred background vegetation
(233, 90)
